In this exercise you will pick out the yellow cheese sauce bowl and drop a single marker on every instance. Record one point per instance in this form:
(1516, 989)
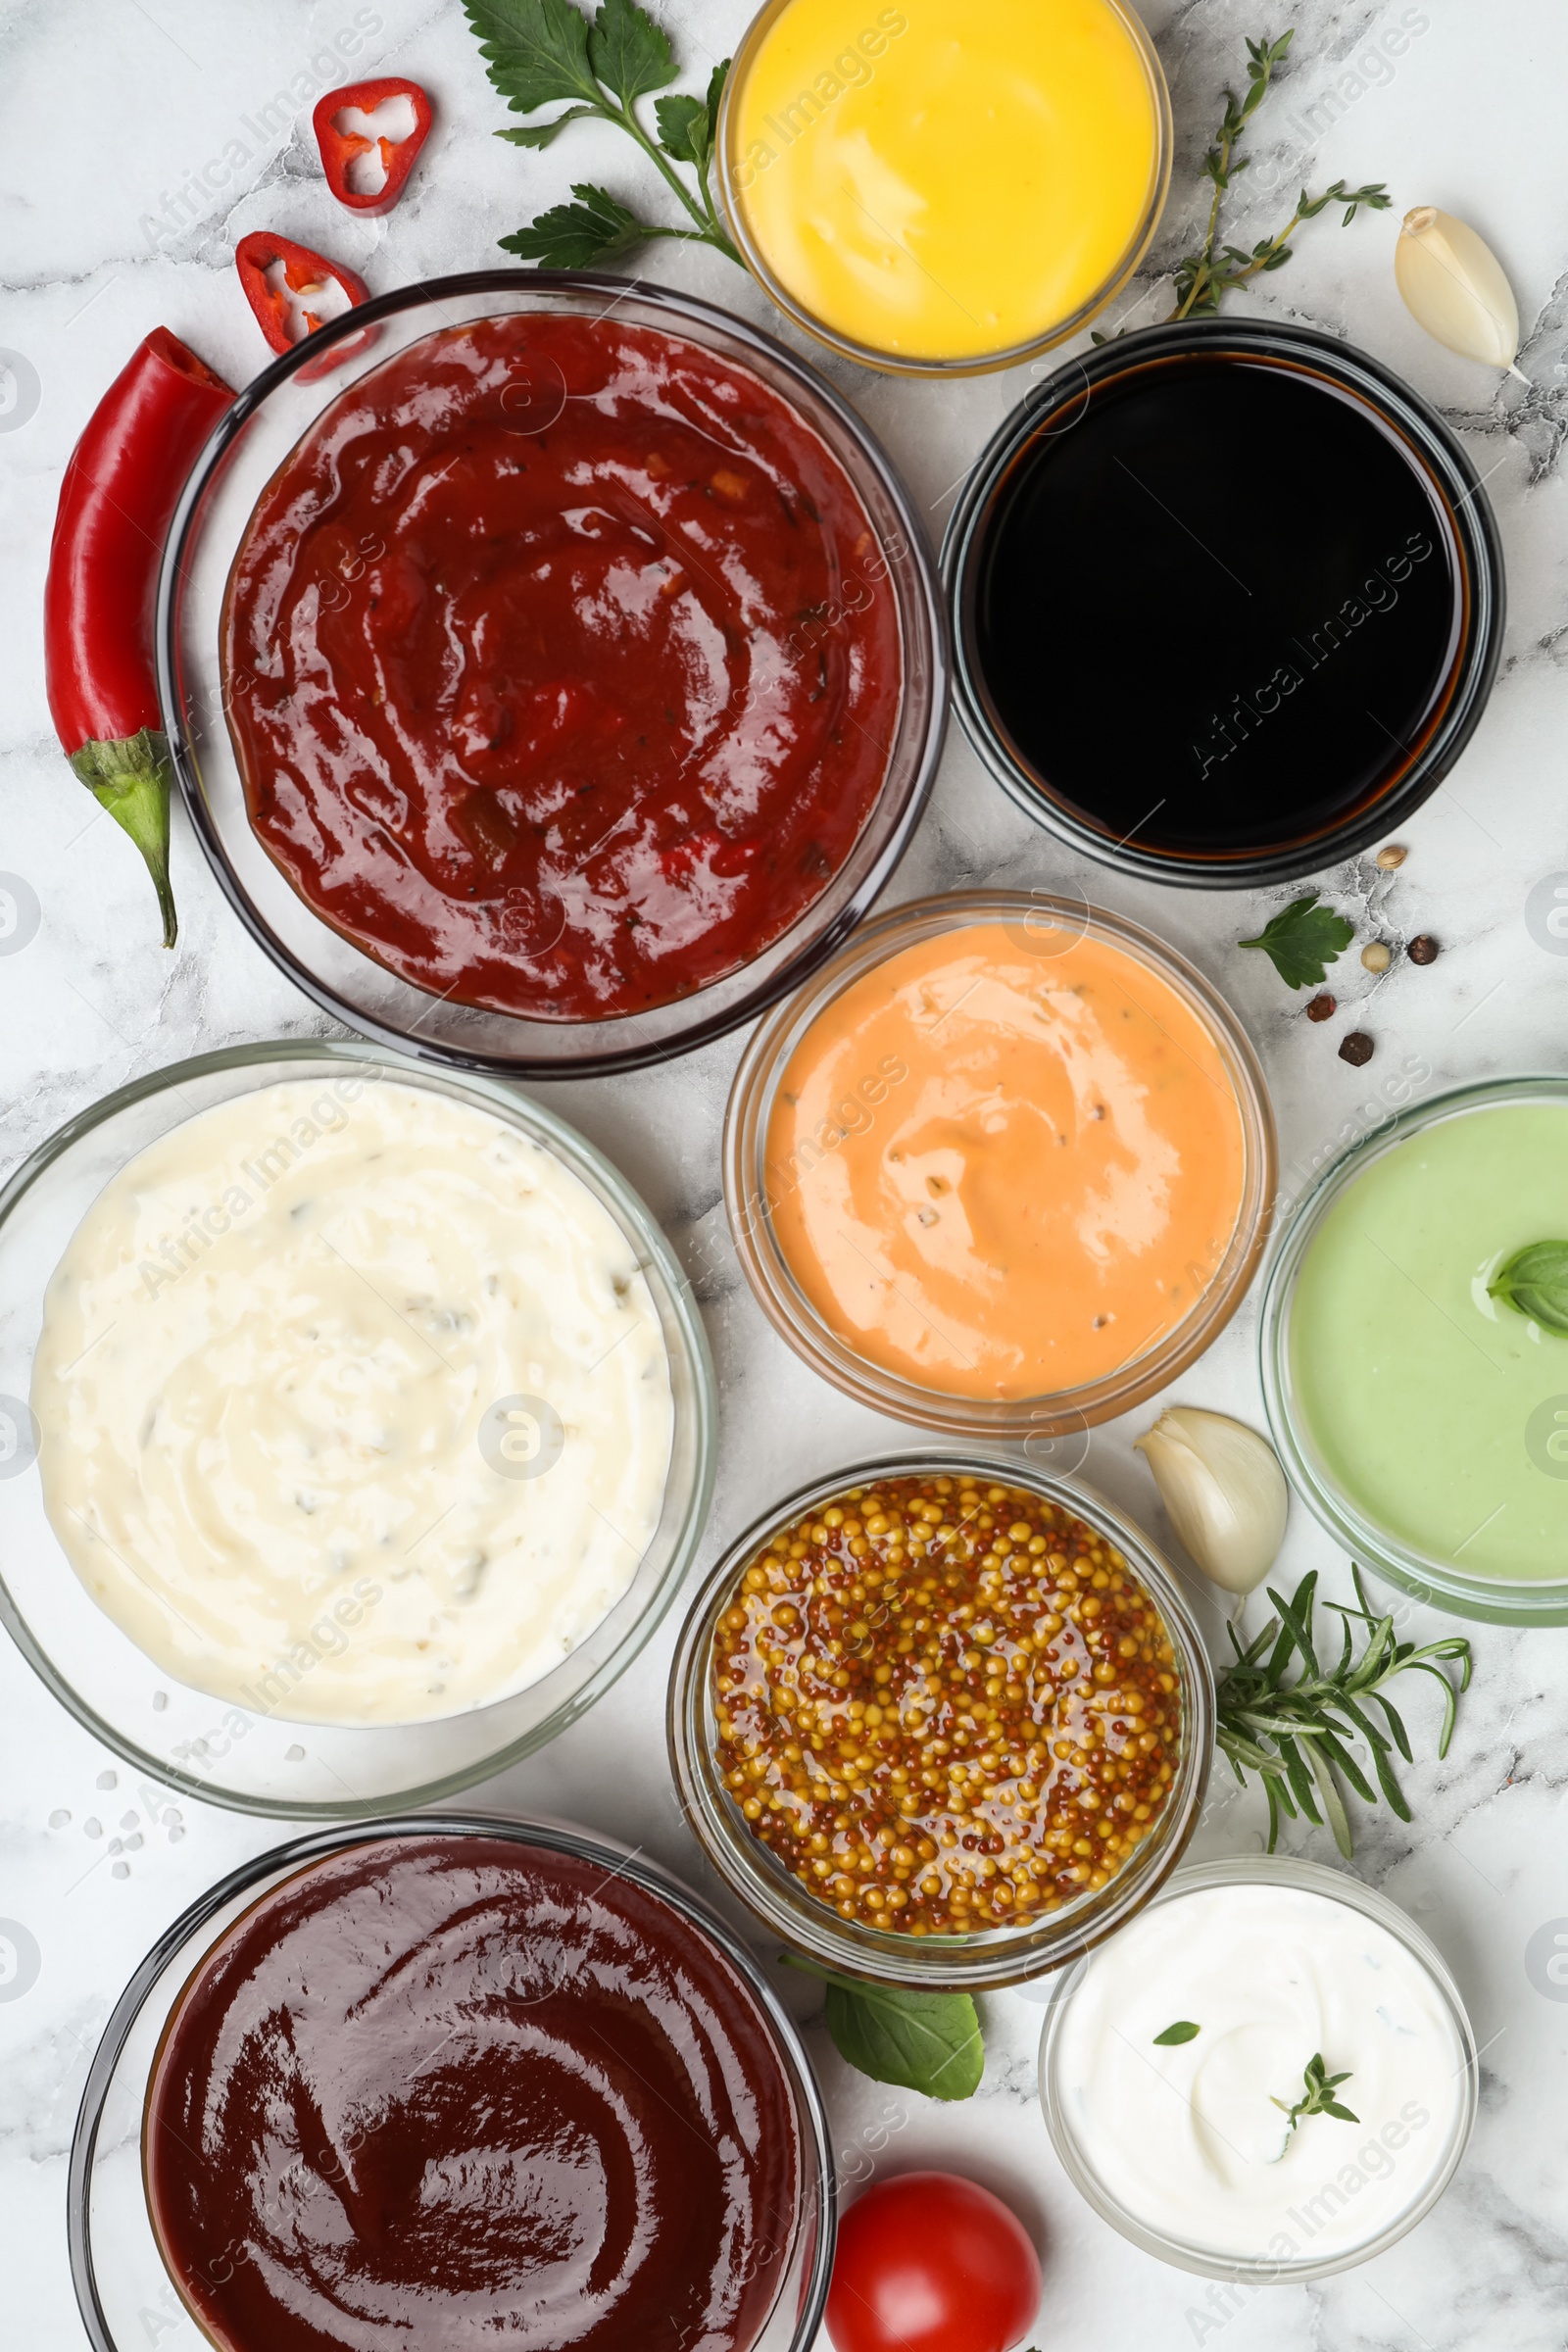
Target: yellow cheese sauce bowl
(936, 188)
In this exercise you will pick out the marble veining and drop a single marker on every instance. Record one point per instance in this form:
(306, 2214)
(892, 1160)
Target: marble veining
(139, 142)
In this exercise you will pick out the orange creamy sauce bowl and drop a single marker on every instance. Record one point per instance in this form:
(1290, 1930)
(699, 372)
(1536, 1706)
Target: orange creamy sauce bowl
(1002, 1167)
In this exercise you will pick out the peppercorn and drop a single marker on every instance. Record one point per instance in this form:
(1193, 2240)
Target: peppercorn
(945, 1706)
(1356, 1049)
(1323, 1007)
(1376, 956)
(1423, 949)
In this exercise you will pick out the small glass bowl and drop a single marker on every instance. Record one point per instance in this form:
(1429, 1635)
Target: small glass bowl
(248, 445)
(1440, 1582)
(1404, 419)
(1041, 924)
(1311, 1877)
(115, 2267)
(261, 1763)
(891, 363)
(1000, 1955)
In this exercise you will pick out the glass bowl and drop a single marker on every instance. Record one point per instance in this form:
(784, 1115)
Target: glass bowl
(1053, 409)
(249, 444)
(258, 1762)
(123, 2289)
(732, 197)
(1311, 1877)
(1440, 1579)
(997, 1955)
(1043, 926)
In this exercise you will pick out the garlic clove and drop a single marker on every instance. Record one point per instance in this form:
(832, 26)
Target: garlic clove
(1224, 1489)
(1453, 284)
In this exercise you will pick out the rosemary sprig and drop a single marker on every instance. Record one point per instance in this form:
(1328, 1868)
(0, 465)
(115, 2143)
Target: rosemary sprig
(1204, 277)
(1319, 2099)
(1307, 1723)
(547, 52)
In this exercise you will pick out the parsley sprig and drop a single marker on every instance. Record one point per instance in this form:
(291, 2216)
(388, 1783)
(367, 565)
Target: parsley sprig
(1302, 938)
(1305, 1723)
(549, 52)
(1319, 2098)
(1204, 277)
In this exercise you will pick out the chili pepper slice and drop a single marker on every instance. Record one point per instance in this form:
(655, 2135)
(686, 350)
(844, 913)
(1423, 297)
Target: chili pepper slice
(304, 272)
(340, 148)
(119, 491)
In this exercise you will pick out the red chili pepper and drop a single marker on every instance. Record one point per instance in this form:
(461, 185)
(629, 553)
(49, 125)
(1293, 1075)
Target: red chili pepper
(119, 491)
(304, 272)
(339, 148)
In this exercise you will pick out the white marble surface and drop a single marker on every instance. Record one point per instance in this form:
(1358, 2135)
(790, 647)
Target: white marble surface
(107, 107)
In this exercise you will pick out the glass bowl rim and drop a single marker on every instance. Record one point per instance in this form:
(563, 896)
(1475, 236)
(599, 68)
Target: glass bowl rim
(768, 1271)
(1000, 1956)
(1488, 1600)
(1476, 532)
(871, 355)
(605, 1180)
(818, 2174)
(1335, 1886)
(922, 717)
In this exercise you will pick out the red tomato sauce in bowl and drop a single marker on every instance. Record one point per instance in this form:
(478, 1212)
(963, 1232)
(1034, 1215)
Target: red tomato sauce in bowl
(561, 666)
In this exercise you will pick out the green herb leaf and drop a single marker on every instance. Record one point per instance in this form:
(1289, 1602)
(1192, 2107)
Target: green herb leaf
(1184, 2029)
(1535, 1282)
(569, 236)
(630, 54)
(1293, 1734)
(683, 130)
(536, 51)
(540, 135)
(925, 2042)
(1317, 2099)
(1302, 938)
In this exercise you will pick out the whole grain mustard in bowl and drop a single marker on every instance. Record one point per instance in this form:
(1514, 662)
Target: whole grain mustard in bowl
(941, 1720)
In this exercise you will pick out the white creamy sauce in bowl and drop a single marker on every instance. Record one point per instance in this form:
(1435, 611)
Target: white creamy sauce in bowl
(1185, 2138)
(354, 1403)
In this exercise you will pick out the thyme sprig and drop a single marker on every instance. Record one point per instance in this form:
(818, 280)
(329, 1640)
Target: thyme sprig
(1305, 1722)
(1204, 277)
(1319, 2099)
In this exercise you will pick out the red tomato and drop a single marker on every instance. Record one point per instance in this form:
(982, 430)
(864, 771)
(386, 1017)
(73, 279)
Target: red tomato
(929, 2263)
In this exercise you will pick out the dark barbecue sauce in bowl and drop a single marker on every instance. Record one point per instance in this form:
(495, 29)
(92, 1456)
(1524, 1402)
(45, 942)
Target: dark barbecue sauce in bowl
(1228, 602)
(469, 2092)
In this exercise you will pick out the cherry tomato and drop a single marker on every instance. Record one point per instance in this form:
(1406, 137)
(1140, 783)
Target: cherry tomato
(929, 2263)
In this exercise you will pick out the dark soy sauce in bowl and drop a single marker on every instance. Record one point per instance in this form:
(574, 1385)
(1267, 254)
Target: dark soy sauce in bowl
(1229, 601)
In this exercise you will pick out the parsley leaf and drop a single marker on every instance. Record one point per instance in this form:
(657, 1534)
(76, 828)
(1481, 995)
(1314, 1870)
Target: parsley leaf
(1302, 938)
(630, 54)
(1535, 1281)
(925, 2042)
(1184, 2029)
(541, 52)
(536, 51)
(569, 236)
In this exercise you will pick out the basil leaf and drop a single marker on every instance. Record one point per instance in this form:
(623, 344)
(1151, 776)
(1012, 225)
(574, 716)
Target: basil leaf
(571, 236)
(1303, 938)
(629, 52)
(1183, 2030)
(535, 50)
(1535, 1281)
(925, 2042)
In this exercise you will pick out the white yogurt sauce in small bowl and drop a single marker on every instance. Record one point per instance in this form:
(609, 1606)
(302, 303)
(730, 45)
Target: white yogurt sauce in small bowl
(1182, 2140)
